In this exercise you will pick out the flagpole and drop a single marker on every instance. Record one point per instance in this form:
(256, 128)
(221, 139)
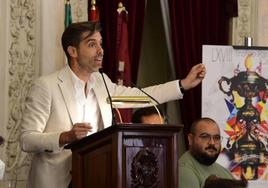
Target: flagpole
(93, 13)
(68, 14)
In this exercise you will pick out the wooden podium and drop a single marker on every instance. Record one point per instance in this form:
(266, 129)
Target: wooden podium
(127, 156)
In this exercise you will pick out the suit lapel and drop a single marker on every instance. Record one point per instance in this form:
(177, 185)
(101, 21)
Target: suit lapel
(68, 92)
(101, 96)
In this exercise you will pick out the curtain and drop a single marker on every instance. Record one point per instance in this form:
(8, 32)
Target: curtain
(108, 19)
(194, 23)
(136, 10)
(108, 15)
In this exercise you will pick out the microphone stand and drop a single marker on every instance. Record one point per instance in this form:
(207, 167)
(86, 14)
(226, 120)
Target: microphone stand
(109, 96)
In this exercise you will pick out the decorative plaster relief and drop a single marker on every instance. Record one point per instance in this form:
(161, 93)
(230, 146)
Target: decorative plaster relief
(22, 67)
(262, 38)
(21, 73)
(79, 10)
(251, 22)
(243, 25)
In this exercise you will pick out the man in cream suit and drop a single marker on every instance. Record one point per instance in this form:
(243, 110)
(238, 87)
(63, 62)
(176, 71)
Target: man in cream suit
(70, 104)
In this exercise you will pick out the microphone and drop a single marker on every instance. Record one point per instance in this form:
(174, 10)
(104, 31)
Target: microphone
(109, 96)
(151, 97)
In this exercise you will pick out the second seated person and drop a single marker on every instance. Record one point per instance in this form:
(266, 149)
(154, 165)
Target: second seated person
(148, 115)
(197, 164)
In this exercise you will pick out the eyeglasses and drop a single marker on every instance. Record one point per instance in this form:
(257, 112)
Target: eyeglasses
(207, 137)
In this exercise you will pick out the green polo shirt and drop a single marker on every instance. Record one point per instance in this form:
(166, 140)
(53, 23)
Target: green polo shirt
(193, 174)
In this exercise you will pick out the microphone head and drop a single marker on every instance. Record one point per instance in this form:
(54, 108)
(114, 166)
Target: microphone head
(101, 70)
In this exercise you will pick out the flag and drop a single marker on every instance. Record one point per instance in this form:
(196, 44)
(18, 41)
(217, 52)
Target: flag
(68, 14)
(93, 12)
(122, 50)
(123, 76)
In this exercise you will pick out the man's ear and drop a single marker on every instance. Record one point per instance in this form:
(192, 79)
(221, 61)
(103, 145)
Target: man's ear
(72, 51)
(190, 139)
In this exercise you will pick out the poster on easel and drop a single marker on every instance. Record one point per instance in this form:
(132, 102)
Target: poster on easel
(235, 95)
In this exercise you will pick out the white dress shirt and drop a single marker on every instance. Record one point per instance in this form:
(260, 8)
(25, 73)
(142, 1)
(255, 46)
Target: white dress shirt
(86, 103)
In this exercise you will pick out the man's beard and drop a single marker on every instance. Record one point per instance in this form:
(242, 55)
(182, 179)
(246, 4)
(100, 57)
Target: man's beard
(203, 157)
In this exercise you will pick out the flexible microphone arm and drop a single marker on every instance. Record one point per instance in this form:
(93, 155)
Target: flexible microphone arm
(165, 117)
(111, 105)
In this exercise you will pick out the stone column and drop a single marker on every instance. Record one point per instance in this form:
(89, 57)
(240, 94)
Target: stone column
(251, 22)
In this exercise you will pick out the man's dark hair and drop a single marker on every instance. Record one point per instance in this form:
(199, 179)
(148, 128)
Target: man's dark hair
(196, 122)
(72, 34)
(141, 112)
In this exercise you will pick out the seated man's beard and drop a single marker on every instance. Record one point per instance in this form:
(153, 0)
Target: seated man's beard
(203, 157)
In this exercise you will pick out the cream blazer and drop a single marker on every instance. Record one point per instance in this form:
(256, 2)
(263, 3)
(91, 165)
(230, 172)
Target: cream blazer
(50, 109)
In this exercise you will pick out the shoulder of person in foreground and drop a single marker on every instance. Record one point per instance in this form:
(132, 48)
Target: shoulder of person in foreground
(214, 181)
